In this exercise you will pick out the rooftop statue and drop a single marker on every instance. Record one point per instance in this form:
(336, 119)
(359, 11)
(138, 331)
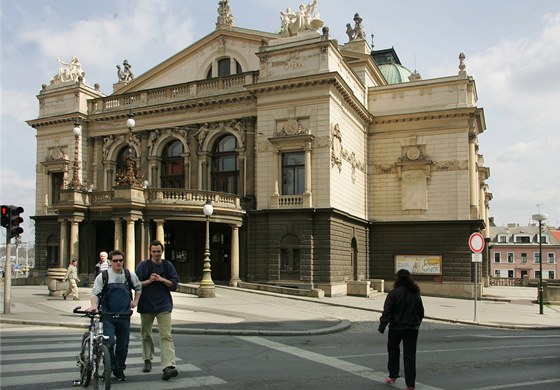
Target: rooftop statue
(125, 74)
(70, 71)
(358, 31)
(225, 17)
(304, 20)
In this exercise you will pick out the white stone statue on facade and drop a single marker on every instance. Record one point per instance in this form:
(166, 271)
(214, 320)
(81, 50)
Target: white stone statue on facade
(70, 71)
(125, 74)
(358, 31)
(225, 17)
(304, 20)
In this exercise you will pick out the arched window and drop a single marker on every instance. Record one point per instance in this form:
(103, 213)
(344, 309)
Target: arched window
(173, 166)
(224, 68)
(225, 172)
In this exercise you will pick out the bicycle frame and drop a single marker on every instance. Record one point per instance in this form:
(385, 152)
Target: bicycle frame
(96, 338)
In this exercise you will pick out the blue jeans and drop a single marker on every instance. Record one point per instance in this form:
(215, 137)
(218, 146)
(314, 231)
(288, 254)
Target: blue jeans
(118, 330)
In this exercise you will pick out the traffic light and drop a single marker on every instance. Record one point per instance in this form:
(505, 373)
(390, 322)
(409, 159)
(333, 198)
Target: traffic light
(11, 220)
(5, 215)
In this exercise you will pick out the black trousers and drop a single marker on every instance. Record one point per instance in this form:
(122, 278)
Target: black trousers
(409, 337)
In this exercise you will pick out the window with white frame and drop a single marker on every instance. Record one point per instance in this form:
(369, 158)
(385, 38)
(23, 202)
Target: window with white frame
(502, 238)
(551, 259)
(522, 239)
(551, 275)
(496, 257)
(510, 257)
(523, 257)
(536, 258)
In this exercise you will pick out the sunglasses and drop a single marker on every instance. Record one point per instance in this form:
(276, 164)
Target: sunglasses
(118, 260)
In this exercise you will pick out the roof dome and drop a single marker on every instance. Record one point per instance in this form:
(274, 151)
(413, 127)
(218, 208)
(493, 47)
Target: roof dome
(395, 73)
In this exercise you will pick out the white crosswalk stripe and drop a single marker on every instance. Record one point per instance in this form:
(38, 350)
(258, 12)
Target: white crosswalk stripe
(49, 360)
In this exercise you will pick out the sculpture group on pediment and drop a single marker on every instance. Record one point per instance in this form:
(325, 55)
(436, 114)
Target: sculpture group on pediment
(125, 74)
(358, 31)
(225, 17)
(304, 20)
(69, 71)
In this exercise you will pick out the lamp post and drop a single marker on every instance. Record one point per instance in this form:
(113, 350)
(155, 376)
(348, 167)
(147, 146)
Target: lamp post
(75, 182)
(207, 288)
(540, 218)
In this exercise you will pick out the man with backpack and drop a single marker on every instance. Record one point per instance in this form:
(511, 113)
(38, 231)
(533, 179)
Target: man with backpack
(112, 294)
(158, 278)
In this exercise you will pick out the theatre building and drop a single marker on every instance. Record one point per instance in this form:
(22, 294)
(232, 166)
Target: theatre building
(326, 163)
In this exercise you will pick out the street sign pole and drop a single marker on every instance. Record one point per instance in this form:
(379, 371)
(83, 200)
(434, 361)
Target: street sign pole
(476, 244)
(8, 278)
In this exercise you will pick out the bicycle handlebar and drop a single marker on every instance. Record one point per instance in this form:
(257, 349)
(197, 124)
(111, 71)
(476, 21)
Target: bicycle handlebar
(99, 313)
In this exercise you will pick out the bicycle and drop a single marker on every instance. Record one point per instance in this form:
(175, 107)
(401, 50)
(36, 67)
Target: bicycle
(94, 358)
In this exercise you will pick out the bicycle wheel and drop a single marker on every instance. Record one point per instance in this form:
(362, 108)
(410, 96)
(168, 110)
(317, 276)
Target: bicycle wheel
(85, 362)
(102, 374)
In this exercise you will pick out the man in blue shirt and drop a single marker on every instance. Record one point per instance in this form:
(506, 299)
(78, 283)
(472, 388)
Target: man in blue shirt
(159, 278)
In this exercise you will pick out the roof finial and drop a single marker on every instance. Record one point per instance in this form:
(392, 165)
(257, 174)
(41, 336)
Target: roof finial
(462, 65)
(225, 17)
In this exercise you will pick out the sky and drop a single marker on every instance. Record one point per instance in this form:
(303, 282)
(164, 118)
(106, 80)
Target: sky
(512, 51)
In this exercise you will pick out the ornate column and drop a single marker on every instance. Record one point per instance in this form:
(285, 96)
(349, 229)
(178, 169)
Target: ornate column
(145, 239)
(203, 185)
(130, 249)
(118, 233)
(242, 176)
(187, 169)
(63, 248)
(275, 198)
(234, 256)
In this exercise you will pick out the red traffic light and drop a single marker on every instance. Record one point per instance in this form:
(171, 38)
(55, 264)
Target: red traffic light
(5, 211)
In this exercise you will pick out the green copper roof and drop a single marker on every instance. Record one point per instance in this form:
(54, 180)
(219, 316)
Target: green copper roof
(395, 73)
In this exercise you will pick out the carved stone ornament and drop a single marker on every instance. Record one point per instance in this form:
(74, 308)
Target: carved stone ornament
(413, 153)
(291, 127)
(336, 148)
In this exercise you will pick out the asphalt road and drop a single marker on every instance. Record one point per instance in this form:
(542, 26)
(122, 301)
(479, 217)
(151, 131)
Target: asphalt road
(449, 357)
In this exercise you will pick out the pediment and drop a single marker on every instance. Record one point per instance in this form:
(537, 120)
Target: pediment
(194, 62)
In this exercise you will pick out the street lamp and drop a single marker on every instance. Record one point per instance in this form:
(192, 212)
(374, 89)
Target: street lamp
(207, 288)
(75, 182)
(540, 218)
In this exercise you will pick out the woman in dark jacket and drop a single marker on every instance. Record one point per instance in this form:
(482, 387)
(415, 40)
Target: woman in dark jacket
(403, 312)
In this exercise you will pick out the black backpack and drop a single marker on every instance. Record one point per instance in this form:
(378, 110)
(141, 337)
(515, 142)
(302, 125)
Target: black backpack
(105, 278)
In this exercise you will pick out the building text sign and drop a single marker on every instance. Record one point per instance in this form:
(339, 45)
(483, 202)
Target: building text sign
(419, 264)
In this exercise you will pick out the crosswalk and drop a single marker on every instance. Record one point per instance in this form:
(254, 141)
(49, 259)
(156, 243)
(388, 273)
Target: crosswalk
(47, 358)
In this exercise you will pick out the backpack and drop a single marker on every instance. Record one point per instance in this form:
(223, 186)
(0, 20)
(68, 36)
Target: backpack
(105, 278)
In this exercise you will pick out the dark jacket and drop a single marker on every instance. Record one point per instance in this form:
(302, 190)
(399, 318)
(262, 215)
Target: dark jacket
(403, 309)
(157, 296)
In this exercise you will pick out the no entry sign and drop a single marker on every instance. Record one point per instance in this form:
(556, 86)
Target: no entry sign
(476, 242)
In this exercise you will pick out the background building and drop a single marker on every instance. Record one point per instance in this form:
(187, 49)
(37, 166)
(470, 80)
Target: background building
(325, 162)
(514, 252)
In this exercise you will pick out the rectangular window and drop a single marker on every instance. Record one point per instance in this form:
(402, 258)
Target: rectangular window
(510, 273)
(537, 274)
(510, 257)
(551, 259)
(524, 257)
(522, 239)
(502, 238)
(536, 257)
(293, 173)
(496, 257)
(551, 274)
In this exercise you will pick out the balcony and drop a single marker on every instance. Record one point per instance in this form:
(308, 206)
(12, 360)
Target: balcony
(173, 93)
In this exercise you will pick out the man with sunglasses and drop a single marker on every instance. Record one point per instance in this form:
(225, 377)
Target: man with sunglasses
(112, 294)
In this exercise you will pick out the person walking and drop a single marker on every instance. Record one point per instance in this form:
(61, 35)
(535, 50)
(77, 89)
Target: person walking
(72, 277)
(111, 293)
(403, 311)
(159, 278)
(103, 264)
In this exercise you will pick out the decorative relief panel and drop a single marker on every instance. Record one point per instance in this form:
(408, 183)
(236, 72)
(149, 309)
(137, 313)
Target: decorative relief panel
(336, 147)
(57, 153)
(291, 127)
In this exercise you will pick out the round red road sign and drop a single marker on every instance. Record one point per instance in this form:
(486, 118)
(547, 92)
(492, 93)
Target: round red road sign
(476, 242)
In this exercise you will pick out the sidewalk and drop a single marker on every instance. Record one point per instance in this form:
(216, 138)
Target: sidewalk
(248, 312)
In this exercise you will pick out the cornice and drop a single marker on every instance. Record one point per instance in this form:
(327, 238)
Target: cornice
(331, 78)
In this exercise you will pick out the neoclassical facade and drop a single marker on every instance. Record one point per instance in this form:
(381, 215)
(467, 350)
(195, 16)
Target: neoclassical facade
(325, 163)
